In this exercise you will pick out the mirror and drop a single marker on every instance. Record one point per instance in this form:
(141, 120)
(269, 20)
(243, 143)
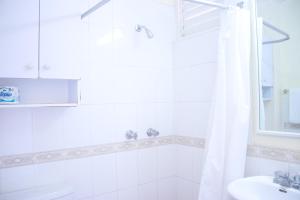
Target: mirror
(278, 30)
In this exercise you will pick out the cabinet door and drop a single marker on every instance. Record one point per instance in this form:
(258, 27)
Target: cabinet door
(61, 38)
(19, 31)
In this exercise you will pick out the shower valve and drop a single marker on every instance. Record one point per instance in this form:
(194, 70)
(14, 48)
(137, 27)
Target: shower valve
(152, 132)
(131, 135)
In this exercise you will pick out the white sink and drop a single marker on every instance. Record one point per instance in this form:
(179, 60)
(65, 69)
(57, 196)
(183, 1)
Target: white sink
(261, 188)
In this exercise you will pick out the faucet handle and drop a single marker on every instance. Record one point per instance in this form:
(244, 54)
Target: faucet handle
(296, 179)
(152, 132)
(281, 174)
(296, 182)
(131, 135)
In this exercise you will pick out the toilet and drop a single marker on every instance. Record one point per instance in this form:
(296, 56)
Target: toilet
(47, 192)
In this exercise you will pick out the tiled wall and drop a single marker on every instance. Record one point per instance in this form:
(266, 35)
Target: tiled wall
(126, 84)
(194, 73)
(146, 174)
(257, 166)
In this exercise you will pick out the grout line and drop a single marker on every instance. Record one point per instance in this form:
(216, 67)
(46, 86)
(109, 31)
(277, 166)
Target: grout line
(39, 41)
(199, 65)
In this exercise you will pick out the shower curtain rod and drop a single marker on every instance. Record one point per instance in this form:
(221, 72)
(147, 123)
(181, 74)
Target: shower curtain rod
(270, 26)
(94, 8)
(267, 24)
(207, 3)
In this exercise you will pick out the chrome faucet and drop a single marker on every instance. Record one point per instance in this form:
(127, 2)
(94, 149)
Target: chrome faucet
(296, 182)
(285, 180)
(152, 132)
(131, 135)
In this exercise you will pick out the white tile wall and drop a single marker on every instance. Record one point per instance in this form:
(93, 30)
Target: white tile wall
(167, 188)
(199, 49)
(189, 166)
(48, 127)
(147, 165)
(124, 175)
(260, 166)
(187, 190)
(12, 179)
(194, 74)
(186, 157)
(104, 174)
(12, 140)
(166, 161)
(108, 196)
(127, 194)
(148, 191)
(126, 84)
(194, 83)
(127, 169)
(102, 123)
(78, 174)
(49, 173)
(191, 118)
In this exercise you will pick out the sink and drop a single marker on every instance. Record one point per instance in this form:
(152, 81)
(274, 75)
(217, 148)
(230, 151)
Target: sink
(261, 188)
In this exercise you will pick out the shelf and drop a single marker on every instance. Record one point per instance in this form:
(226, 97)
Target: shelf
(37, 105)
(37, 93)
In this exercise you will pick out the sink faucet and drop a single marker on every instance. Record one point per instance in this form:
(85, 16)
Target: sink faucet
(284, 179)
(296, 182)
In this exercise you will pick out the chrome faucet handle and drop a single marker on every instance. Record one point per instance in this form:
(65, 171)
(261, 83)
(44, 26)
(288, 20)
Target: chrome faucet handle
(130, 134)
(281, 174)
(282, 178)
(296, 182)
(152, 132)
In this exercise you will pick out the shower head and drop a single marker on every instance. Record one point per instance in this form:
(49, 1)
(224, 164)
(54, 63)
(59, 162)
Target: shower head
(139, 28)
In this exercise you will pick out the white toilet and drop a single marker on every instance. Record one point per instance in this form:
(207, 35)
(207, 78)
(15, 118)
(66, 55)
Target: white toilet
(48, 192)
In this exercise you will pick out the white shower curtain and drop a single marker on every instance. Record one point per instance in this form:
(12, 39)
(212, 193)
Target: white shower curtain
(228, 131)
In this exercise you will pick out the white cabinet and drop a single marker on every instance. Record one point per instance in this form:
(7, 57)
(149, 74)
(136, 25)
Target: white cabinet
(61, 38)
(41, 50)
(19, 32)
(41, 38)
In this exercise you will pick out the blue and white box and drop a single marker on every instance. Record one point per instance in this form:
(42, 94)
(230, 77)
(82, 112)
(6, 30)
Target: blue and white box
(9, 95)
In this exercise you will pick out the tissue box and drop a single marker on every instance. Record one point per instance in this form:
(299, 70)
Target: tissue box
(9, 95)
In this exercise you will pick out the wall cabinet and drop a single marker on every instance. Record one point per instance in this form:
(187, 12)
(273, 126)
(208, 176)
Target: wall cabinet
(19, 38)
(61, 38)
(41, 39)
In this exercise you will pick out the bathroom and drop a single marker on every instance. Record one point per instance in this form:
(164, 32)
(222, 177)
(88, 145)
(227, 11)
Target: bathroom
(149, 100)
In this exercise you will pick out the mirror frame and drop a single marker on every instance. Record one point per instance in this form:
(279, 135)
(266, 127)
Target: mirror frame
(255, 83)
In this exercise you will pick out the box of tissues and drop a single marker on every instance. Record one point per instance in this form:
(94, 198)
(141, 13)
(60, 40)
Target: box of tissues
(9, 95)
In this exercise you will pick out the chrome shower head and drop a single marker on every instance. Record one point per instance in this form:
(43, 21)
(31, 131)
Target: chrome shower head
(139, 28)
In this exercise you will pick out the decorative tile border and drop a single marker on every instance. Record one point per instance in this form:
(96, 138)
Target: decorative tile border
(81, 152)
(284, 155)
(189, 141)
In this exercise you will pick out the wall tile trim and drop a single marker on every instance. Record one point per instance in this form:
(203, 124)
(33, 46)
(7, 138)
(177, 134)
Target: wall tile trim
(271, 153)
(81, 152)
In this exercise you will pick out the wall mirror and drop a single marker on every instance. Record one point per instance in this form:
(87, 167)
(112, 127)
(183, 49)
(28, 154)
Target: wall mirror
(278, 39)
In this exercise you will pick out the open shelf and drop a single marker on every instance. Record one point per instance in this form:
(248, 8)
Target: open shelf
(36, 93)
(37, 105)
